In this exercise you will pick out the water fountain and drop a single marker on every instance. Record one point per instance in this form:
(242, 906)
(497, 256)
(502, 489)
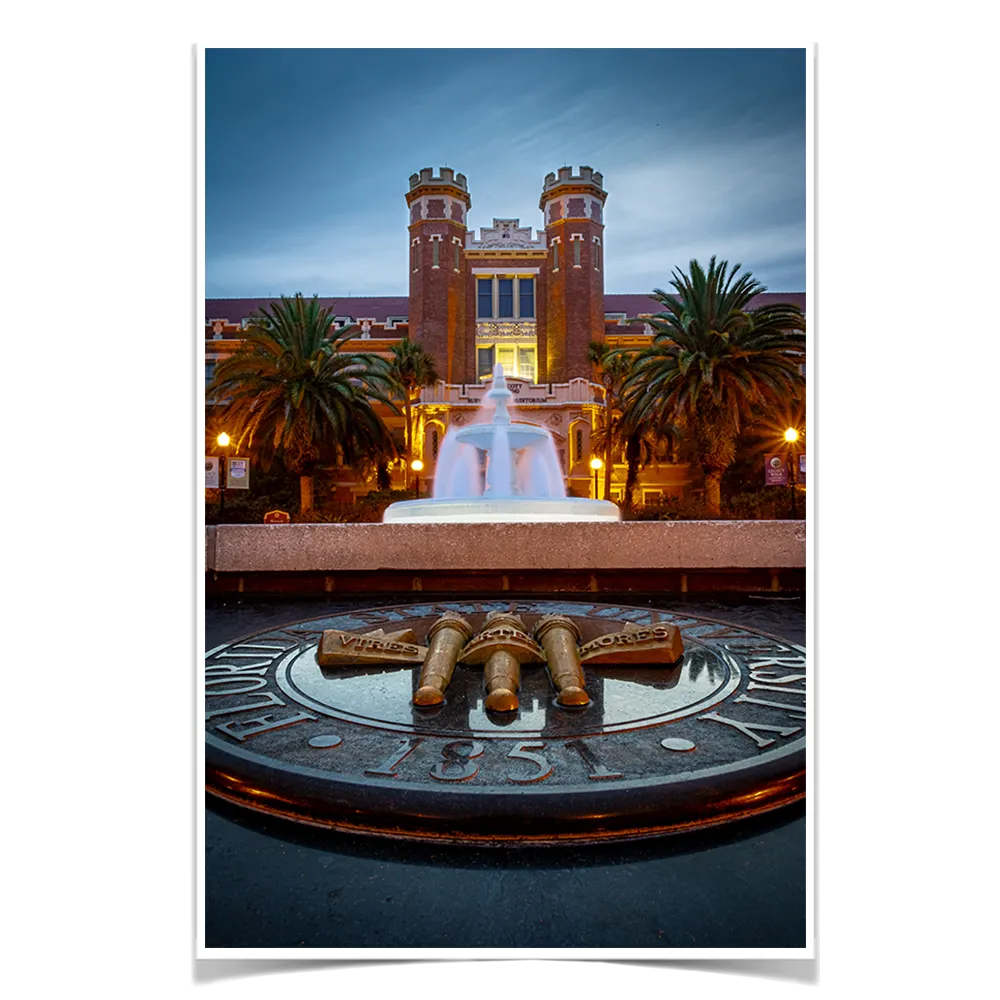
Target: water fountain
(520, 479)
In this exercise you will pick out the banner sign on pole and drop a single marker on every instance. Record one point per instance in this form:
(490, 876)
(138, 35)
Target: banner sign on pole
(238, 474)
(211, 472)
(775, 470)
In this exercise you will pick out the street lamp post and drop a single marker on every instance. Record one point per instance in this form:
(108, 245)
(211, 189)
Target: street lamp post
(596, 464)
(417, 467)
(791, 436)
(223, 442)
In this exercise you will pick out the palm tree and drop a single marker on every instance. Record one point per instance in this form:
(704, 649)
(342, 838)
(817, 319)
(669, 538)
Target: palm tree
(612, 369)
(291, 388)
(640, 445)
(713, 362)
(412, 367)
(621, 434)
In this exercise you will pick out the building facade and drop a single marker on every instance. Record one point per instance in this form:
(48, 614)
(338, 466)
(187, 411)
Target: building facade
(530, 301)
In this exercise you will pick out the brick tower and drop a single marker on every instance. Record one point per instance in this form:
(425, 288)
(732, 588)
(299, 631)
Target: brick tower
(574, 232)
(438, 209)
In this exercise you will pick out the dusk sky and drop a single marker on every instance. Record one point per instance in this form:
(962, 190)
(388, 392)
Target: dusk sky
(309, 151)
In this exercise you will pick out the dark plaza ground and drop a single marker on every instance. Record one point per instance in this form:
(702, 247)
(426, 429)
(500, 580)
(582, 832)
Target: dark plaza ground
(273, 884)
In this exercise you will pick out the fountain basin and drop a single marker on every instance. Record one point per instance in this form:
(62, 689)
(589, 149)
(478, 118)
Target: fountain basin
(454, 510)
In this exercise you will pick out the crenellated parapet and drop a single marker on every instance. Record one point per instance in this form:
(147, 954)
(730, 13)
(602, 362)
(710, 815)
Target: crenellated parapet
(566, 195)
(447, 176)
(444, 197)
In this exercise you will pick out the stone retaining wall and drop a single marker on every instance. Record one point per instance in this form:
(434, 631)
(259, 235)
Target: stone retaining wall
(416, 548)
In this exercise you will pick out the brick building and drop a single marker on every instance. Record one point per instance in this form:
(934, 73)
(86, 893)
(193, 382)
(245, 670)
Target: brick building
(533, 303)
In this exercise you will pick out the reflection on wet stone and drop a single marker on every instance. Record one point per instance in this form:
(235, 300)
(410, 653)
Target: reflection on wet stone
(619, 695)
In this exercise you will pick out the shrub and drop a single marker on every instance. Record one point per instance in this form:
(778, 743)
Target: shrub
(687, 508)
(767, 504)
(241, 509)
(372, 505)
(316, 516)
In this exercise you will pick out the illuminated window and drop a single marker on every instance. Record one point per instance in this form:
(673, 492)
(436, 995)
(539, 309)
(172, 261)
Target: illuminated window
(434, 443)
(484, 362)
(526, 362)
(505, 357)
(578, 441)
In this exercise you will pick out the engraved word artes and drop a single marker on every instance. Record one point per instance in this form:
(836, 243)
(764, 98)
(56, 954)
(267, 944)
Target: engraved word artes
(502, 646)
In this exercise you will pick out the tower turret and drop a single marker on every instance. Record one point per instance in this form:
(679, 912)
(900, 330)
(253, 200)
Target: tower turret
(438, 209)
(574, 231)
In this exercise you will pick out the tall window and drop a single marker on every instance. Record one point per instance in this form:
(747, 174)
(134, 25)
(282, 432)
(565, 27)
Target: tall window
(484, 362)
(456, 257)
(505, 357)
(576, 252)
(484, 287)
(526, 362)
(505, 294)
(526, 297)
(434, 443)
(436, 248)
(555, 255)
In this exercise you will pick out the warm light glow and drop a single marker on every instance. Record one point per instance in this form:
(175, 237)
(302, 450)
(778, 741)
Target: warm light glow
(791, 435)
(596, 463)
(223, 440)
(416, 465)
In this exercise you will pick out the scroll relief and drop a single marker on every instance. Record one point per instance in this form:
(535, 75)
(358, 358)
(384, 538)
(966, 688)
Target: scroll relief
(501, 646)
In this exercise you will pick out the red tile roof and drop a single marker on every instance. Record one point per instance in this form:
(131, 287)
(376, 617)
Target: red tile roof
(635, 305)
(381, 307)
(376, 307)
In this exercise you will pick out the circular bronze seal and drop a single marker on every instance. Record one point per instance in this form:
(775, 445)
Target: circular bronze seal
(497, 722)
